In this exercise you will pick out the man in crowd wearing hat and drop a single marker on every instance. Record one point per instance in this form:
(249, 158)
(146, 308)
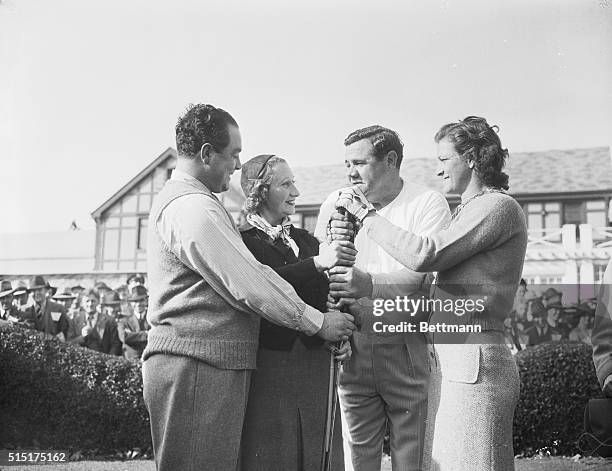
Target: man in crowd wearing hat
(207, 293)
(387, 379)
(77, 290)
(8, 312)
(602, 333)
(20, 296)
(552, 297)
(47, 316)
(540, 331)
(135, 279)
(93, 329)
(134, 329)
(112, 305)
(68, 300)
(583, 331)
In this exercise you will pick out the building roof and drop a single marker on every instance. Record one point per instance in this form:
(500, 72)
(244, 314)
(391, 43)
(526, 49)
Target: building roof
(167, 154)
(531, 173)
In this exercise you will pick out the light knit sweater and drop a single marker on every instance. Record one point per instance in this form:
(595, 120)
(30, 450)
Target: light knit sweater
(479, 255)
(187, 316)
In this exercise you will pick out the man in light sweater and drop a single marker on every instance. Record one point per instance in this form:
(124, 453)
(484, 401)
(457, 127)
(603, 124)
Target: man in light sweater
(207, 294)
(387, 377)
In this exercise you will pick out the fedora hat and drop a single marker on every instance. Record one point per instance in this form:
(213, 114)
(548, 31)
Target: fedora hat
(77, 288)
(551, 293)
(138, 293)
(21, 289)
(100, 285)
(37, 282)
(65, 295)
(111, 299)
(6, 289)
(537, 308)
(135, 276)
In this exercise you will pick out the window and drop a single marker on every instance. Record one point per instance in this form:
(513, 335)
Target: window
(128, 244)
(142, 233)
(572, 213)
(596, 217)
(543, 217)
(310, 222)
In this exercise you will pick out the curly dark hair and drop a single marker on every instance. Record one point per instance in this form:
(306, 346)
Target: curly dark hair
(202, 124)
(383, 139)
(475, 140)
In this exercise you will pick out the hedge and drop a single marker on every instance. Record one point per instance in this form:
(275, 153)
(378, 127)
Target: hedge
(557, 380)
(61, 396)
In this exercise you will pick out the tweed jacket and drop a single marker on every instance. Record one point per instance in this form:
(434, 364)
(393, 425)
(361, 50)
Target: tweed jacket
(310, 285)
(133, 334)
(108, 342)
(43, 320)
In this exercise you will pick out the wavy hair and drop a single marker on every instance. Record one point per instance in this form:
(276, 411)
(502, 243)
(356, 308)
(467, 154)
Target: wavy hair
(474, 139)
(256, 190)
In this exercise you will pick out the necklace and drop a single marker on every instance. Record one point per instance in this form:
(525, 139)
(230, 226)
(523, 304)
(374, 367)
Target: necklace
(480, 193)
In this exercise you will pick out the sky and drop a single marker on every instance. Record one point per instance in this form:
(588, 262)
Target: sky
(90, 91)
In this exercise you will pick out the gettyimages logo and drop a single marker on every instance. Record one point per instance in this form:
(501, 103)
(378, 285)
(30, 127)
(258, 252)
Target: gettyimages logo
(412, 306)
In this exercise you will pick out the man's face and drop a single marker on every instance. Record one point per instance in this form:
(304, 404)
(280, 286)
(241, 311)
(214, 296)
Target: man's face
(553, 315)
(135, 282)
(140, 307)
(74, 303)
(366, 170)
(90, 304)
(113, 310)
(39, 295)
(223, 164)
(6, 302)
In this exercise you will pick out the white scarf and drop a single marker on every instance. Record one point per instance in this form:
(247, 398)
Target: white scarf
(274, 232)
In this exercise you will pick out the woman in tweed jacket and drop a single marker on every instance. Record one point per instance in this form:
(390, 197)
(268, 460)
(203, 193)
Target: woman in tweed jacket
(475, 382)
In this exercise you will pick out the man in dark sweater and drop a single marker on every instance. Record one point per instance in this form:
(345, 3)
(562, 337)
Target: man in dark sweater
(207, 294)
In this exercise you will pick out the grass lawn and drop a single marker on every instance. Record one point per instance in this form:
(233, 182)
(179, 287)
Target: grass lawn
(524, 464)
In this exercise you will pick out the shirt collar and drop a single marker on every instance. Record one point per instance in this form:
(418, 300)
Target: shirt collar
(179, 175)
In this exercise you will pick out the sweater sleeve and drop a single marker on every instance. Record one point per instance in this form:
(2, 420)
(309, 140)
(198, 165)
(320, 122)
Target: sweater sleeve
(434, 216)
(200, 235)
(477, 228)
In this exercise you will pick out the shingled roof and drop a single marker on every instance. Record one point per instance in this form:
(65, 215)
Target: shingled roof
(531, 173)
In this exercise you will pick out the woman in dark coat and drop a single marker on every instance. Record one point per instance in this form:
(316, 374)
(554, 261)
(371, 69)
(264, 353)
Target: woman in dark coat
(285, 418)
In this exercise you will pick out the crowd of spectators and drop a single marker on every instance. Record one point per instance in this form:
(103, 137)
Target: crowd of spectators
(99, 318)
(539, 319)
(113, 321)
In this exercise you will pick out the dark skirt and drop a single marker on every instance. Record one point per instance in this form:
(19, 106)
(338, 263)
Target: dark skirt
(285, 419)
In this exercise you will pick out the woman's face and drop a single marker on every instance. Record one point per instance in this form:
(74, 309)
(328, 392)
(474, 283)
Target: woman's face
(281, 195)
(455, 172)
